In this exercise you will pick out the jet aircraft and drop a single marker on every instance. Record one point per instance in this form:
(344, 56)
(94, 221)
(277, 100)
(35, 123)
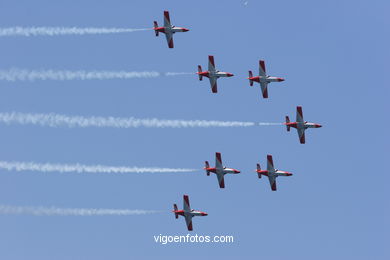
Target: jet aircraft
(271, 172)
(187, 212)
(300, 125)
(212, 74)
(219, 170)
(263, 79)
(168, 29)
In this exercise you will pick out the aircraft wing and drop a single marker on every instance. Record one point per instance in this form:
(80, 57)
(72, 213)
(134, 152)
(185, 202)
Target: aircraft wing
(301, 135)
(262, 68)
(221, 179)
(270, 164)
(169, 37)
(188, 222)
(186, 204)
(272, 182)
(218, 161)
(213, 84)
(264, 89)
(167, 20)
(299, 115)
(211, 64)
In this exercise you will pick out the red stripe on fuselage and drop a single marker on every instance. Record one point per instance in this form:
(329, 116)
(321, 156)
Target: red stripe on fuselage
(256, 79)
(262, 172)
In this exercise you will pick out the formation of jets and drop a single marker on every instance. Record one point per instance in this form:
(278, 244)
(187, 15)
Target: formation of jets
(212, 73)
(219, 170)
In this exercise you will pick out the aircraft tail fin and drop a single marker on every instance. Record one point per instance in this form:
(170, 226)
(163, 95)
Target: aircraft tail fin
(250, 76)
(207, 165)
(174, 210)
(287, 121)
(199, 71)
(155, 27)
(259, 169)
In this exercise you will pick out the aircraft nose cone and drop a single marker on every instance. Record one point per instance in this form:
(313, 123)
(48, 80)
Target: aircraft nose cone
(186, 30)
(205, 214)
(318, 125)
(281, 79)
(230, 75)
(238, 171)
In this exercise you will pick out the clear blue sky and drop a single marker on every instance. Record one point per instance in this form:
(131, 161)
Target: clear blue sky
(333, 56)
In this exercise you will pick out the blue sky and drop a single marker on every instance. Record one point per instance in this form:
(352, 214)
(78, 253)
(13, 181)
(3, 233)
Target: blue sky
(333, 57)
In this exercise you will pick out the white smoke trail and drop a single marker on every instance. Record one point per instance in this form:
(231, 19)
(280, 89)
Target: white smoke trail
(263, 124)
(80, 168)
(15, 74)
(54, 31)
(58, 120)
(54, 211)
(178, 73)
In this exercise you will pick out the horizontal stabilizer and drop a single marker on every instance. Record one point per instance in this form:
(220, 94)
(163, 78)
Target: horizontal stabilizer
(155, 27)
(259, 169)
(250, 76)
(207, 165)
(287, 121)
(175, 209)
(199, 71)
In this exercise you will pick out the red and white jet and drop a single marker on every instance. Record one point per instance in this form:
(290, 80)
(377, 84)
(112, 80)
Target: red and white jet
(263, 79)
(168, 29)
(271, 172)
(212, 74)
(300, 125)
(187, 212)
(219, 170)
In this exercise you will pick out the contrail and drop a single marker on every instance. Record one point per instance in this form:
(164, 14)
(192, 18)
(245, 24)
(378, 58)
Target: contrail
(80, 168)
(55, 31)
(54, 211)
(16, 74)
(59, 120)
(263, 124)
(178, 73)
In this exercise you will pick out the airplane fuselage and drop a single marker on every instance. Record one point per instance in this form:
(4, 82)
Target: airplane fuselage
(171, 30)
(224, 171)
(303, 125)
(266, 79)
(216, 74)
(275, 173)
(191, 213)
